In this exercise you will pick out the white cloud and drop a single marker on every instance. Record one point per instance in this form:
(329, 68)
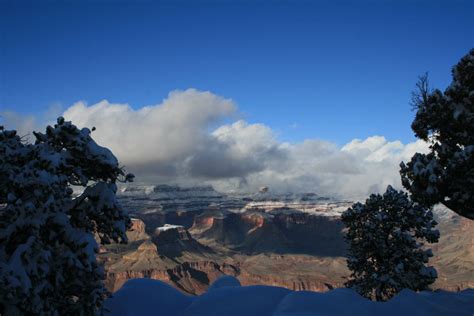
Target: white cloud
(155, 139)
(183, 140)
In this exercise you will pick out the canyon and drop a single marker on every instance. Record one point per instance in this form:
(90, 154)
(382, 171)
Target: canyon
(189, 237)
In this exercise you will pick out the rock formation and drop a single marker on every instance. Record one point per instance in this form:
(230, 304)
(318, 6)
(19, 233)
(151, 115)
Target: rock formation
(254, 232)
(175, 241)
(137, 232)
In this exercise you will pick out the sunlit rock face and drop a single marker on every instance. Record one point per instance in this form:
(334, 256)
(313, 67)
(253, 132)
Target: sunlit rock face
(188, 277)
(454, 253)
(146, 251)
(137, 232)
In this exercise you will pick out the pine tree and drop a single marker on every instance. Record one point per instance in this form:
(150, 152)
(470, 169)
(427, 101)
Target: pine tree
(386, 253)
(445, 120)
(47, 245)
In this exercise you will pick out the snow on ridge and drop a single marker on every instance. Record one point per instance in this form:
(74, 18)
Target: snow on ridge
(168, 227)
(226, 297)
(165, 190)
(163, 198)
(333, 209)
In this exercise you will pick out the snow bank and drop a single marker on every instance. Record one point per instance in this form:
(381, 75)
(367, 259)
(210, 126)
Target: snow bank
(227, 297)
(168, 227)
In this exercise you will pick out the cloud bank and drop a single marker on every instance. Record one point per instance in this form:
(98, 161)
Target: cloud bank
(185, 140)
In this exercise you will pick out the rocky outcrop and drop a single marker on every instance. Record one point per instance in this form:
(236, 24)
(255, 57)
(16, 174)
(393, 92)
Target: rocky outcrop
(160, 218)
(115, 279)
(454, 253)
(226, 228)
(254, 232)
(137, 231)
(174, 241)
(189, 277)
(146, 251)
(171, 233)
(195, 277)
(296, 272)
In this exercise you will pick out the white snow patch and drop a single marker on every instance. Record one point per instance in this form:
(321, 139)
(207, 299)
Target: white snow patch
(168, 227)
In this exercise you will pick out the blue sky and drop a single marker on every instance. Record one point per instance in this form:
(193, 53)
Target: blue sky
(332, 70)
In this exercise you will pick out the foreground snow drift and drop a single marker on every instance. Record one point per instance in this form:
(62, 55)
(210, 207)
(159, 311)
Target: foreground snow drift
(227, 297)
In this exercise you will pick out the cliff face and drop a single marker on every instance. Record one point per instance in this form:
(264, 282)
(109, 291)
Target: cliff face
(253, 232)
(189, 277)
(137, 232)
(295, 272)
(160, 218)
(225, 228)
(175, 241)
(146, 251)
(298, 284)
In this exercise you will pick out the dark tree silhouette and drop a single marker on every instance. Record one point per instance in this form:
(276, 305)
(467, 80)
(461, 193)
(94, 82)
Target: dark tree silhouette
(47, 246)
(446, 121)
(386, 253)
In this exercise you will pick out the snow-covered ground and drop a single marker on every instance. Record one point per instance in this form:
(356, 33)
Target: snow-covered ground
(227, 298)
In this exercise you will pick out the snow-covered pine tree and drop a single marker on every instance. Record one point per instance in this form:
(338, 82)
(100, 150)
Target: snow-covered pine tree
(445, 120)
(47, 246)
(386, 236)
